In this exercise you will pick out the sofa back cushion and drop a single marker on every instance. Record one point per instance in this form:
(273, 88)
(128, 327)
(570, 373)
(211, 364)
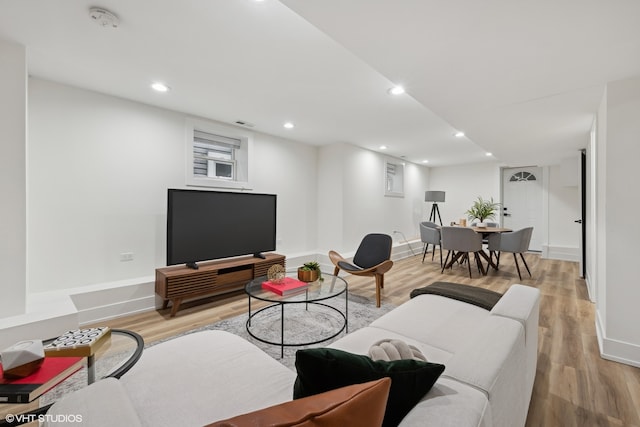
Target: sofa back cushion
(360, 404)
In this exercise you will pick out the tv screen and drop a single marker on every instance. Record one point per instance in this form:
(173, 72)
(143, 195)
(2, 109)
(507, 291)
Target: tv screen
(205, 225)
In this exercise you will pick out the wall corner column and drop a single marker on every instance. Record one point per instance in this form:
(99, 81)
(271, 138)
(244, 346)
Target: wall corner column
(13, 178)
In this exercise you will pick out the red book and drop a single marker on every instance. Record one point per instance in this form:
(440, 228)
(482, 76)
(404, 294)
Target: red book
(288, 286)
(52, 371)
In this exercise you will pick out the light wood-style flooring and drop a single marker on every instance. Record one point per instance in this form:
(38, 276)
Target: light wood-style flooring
(574, 386)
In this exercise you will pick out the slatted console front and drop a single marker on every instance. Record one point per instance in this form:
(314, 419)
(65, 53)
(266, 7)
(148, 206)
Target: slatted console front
(178, 283)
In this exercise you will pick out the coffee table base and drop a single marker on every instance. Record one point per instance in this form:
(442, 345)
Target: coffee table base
(282, 343)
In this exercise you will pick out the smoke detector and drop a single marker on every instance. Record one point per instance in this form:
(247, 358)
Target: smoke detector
(104, 18)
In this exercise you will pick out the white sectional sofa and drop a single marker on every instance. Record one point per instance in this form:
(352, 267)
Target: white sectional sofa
(490, 359)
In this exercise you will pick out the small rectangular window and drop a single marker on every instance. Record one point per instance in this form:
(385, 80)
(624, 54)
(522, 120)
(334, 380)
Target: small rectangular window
(216, 156)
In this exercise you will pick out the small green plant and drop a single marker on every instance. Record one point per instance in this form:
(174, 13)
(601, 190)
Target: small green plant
(482, 209)
(310, 266)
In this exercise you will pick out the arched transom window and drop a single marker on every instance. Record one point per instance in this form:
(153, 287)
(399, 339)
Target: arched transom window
(522, 176)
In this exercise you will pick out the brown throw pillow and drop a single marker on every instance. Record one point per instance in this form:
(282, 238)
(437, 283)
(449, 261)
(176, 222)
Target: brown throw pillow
(358, 404)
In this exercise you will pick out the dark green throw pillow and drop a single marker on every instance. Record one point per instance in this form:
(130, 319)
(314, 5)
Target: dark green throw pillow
(324, 369)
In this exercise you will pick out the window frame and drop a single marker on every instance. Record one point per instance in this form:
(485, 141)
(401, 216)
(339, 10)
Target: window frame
(241, 162)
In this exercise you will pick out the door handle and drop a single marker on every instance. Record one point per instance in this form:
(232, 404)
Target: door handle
(506, 214)
(578, 221)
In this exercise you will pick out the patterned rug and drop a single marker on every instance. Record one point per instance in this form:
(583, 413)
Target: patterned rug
(300, 325)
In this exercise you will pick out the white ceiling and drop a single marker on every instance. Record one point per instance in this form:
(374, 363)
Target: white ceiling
(522, 79)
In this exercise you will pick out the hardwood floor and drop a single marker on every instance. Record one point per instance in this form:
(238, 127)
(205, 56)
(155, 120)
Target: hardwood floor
(574, 386)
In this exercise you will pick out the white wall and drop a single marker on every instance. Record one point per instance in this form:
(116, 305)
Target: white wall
(618, 311)
(13, 226)
(463, 184)
(600, 181)
(99, 169)
(564, 208)
(352, 201)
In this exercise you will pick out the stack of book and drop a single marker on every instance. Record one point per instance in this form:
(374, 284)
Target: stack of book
(54, 370)
(287, 286)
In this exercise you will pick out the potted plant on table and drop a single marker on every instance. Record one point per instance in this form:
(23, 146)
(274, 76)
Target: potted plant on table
(482, 209)
(309, 272)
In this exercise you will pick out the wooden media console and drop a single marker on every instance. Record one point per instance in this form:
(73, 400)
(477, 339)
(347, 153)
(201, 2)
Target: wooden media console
(177, 283)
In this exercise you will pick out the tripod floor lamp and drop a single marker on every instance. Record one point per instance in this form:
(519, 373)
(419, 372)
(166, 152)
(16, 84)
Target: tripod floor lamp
(435, 197)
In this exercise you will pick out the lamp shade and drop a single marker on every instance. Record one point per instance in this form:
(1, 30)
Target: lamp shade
(434, 196)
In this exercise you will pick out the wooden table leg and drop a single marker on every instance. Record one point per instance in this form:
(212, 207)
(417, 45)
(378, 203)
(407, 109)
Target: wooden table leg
(175, 306)
(489, 259)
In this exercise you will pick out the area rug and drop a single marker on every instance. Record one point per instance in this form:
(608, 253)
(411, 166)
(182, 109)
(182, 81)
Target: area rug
(301, 325)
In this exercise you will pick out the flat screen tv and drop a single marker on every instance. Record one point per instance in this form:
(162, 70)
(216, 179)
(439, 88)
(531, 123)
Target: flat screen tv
(206, 225)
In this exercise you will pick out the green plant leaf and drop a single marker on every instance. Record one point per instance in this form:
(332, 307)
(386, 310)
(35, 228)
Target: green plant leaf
(482, 209)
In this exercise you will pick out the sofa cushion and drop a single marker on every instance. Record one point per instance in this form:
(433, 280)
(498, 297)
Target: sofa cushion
(323, 369)
(450, 403)
(202, 377)
(495, 363)
(95, 405)
(441, 322)
(359, 404)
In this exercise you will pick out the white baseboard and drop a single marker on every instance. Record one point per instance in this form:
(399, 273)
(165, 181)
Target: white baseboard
(50, 313)
(590, 291)
(563, 253)
(615, 350)
(47, 315)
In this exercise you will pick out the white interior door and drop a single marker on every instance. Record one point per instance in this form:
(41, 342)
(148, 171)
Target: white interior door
(522, 201)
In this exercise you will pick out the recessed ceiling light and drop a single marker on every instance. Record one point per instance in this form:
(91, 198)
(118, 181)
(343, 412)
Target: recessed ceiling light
(488, 154)
(383, 147)
(458, 134)
(396, 90)
(160, 87)
(289, 125)
(425, 161)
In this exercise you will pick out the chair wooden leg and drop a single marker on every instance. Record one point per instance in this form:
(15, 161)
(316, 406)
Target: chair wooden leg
(468, 263)
(379, 285)
(517, 266)
(433, 251)
(440, 250)
(525, 264)
(336, 271)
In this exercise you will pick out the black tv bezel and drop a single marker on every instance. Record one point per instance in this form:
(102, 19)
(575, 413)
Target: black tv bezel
(193, 263)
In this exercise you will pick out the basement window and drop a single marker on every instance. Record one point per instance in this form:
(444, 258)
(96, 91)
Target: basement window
(217, 156)
(214, 155)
